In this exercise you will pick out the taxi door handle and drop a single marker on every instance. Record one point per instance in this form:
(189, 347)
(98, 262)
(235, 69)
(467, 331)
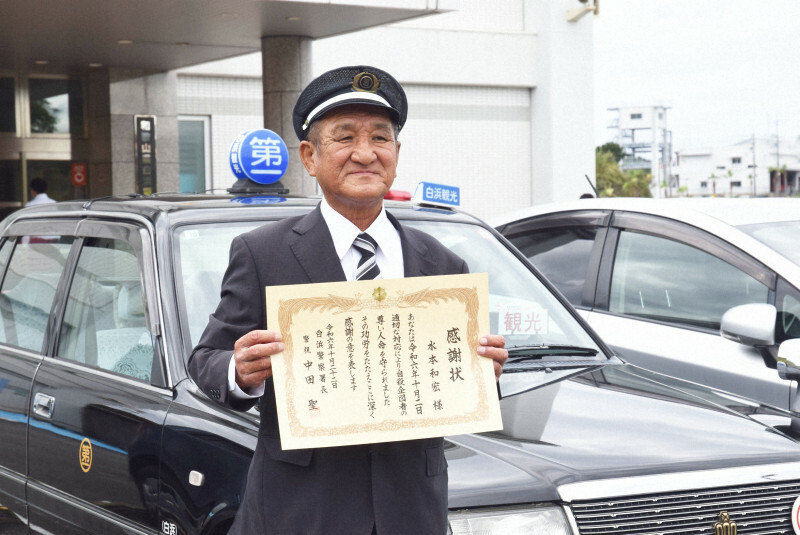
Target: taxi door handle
(43, 405)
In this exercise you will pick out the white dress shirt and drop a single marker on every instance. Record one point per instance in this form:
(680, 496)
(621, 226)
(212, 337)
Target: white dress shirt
(389, 257)
(389, 254)
(41, 198)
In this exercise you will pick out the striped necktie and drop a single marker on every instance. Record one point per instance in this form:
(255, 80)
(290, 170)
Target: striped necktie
(367, 266)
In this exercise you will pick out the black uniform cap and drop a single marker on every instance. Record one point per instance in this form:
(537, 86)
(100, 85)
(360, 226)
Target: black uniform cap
(358, 84)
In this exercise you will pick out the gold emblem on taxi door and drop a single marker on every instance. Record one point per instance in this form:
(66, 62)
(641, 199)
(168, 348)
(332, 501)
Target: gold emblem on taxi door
(366, 81)
(85, 455)
(725, 526)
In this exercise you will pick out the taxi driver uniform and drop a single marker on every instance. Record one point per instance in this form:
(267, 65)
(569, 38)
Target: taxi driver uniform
(388, 488)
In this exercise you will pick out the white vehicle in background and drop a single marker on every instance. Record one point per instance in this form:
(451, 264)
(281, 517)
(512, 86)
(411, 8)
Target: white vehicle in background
(656, 278)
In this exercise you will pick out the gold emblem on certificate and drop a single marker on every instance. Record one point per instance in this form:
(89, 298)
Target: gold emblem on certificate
(382, 360)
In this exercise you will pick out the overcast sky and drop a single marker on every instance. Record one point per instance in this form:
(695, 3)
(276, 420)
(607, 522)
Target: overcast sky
(727, 69)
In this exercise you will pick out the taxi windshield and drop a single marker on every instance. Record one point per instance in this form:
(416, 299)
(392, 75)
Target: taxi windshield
(520, 306)
(535, 324)
(200, 262)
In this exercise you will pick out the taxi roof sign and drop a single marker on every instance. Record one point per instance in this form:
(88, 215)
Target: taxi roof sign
(437, 194)
(259, 155)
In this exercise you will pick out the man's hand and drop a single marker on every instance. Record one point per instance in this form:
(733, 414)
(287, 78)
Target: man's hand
(252, 354)
(493, 346)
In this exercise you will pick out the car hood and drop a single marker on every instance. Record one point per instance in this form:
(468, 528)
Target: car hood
(617, 421)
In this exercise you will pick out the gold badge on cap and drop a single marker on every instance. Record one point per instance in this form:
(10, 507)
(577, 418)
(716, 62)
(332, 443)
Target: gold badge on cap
(366, 81)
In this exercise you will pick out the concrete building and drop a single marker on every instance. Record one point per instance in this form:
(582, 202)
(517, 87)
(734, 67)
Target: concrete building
(95, 97)
(754, 167)
(642, 133)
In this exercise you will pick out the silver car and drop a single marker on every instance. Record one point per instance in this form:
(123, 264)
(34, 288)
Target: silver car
(659, 279)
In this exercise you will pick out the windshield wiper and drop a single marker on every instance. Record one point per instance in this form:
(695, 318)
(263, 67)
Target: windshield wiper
(535, 352)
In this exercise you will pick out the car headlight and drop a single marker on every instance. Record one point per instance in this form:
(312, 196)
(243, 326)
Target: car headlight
(509, 521)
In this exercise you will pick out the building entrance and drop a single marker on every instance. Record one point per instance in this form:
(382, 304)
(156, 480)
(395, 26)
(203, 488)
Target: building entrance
(43, 134)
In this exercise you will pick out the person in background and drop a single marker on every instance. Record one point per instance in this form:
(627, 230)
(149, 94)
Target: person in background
(39, 195)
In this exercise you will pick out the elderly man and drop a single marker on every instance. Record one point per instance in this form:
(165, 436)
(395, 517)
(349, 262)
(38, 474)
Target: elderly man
(347, 120)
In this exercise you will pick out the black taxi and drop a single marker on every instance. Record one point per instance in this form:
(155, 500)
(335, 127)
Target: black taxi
(103, 430)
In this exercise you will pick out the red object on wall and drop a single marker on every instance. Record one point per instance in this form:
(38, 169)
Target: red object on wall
(79, 174)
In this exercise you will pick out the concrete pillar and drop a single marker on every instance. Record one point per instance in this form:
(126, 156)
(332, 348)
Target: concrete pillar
(562, 103)
(99, 115)
(286, 70)
(136, 93)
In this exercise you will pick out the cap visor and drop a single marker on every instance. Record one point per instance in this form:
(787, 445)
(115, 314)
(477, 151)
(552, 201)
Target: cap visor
(349, 99)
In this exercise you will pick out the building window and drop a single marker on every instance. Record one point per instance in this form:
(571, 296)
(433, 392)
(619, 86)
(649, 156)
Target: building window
(193, 148)
(736, 183)
(736, 159)
(56, 106)
(8, 117)
(703, 184)
(636, 115)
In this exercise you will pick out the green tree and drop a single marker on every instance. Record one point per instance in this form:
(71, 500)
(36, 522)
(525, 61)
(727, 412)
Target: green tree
(637, 183)
(43, 116)
(613, 182)
(609, 177)
(613, 149)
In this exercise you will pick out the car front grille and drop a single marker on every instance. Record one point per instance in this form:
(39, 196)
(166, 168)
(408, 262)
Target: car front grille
(757, 509)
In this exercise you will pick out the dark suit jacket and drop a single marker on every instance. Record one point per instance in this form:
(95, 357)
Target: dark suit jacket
(399, 487)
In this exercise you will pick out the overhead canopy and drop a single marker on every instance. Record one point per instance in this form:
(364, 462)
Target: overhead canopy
(161, 35)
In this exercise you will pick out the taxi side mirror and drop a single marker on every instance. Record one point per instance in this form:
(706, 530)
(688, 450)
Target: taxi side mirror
(752, 324)
(788, 356)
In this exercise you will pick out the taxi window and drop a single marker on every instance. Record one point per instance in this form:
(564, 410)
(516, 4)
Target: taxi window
(202, 258)
(29, 288)
(104, 320)
(520, 307)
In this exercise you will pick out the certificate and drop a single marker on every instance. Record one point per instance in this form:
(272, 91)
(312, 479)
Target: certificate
(382, 360)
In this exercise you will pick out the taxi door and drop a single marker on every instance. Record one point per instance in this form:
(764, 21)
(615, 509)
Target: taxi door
(30, 271)
(99, 398)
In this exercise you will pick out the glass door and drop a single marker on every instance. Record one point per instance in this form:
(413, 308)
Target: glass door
(195, 160)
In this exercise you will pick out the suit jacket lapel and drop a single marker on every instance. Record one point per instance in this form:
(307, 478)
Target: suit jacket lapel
(313, 248)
